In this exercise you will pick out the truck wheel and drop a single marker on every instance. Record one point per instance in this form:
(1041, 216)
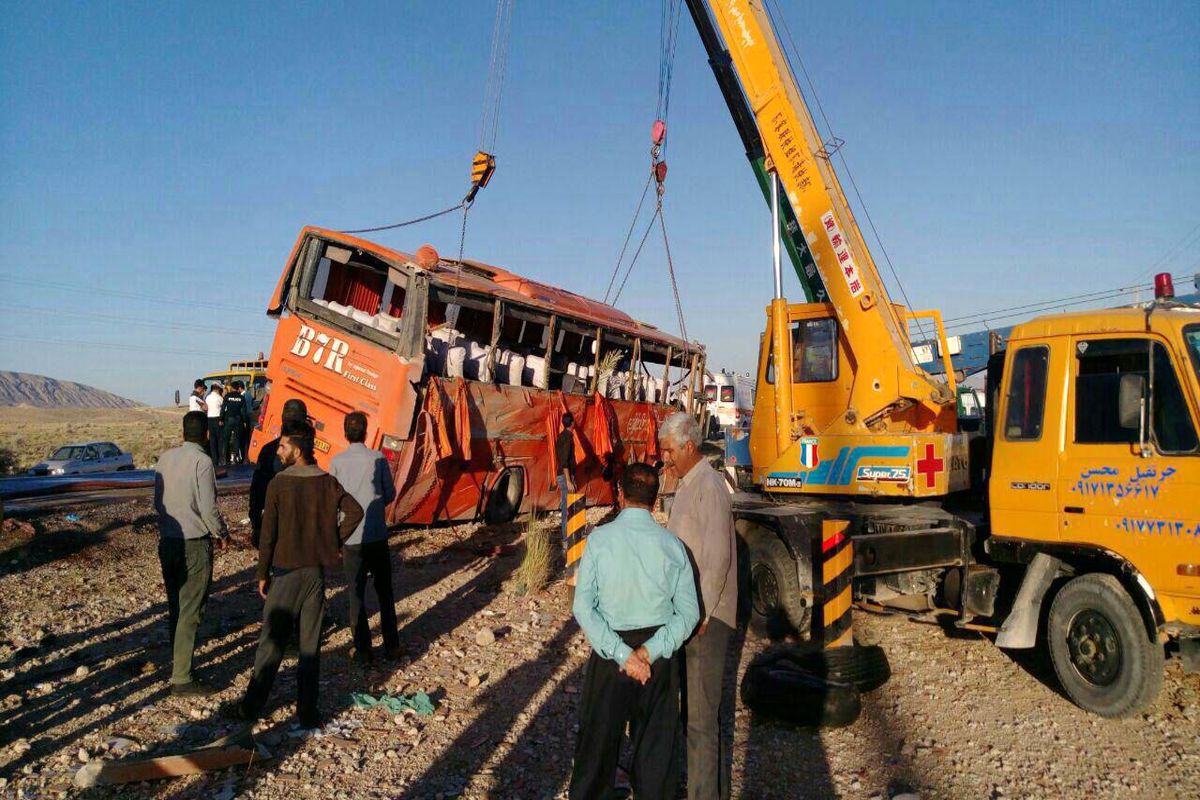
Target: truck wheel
(504, 500)
(1102, 654)
(776, 605)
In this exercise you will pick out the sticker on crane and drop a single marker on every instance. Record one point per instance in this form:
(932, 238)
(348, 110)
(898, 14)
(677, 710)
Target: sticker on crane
(841, 250)
(808, 452)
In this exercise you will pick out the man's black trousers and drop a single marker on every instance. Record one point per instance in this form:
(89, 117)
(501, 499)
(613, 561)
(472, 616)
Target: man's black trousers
(294, 595)
(609, 699)
(215, 444)
(370, 560)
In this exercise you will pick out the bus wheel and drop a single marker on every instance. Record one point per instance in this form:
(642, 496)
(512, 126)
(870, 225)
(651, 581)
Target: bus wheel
(1103, 656)
(777, 606)
(504, 501)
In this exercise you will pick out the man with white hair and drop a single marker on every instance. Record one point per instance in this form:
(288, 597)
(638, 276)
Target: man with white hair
(702, 517)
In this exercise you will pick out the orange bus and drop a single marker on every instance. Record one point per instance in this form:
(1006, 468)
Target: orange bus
(464, 370)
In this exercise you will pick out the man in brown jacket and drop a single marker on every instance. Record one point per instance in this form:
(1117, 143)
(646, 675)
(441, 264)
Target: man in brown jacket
(301, 536)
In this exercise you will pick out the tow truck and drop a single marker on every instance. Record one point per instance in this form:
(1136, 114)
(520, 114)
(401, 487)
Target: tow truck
(1072, 522)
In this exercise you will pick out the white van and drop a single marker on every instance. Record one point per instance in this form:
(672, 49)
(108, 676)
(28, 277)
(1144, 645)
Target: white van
(730, 399)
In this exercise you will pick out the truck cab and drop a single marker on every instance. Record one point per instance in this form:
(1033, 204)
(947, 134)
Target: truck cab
(1095, 470)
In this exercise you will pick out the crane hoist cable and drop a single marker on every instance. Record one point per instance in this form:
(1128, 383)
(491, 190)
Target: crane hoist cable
(483, 164)
(671, 13)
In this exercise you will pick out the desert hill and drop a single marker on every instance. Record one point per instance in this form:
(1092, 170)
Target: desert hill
(38, 391)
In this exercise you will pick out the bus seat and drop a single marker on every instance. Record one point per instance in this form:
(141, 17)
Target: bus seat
(455, 359)
(476, 366)
(516, 369)
(386, 323)
(534, 373)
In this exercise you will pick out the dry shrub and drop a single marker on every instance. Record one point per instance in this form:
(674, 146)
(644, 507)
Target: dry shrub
(9, 463)
(534, 571)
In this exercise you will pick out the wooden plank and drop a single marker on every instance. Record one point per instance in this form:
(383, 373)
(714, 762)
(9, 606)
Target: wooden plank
(109, 773)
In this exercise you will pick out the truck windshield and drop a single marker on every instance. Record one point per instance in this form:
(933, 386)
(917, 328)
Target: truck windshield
(1191, 335)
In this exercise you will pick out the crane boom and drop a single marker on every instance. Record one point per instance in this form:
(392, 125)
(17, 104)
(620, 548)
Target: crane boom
(856, 389)
(743, 120)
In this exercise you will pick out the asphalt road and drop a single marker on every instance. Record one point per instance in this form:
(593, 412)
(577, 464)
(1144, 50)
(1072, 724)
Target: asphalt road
(24, 494)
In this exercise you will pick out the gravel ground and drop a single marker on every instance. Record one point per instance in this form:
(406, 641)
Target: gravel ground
(83, 665)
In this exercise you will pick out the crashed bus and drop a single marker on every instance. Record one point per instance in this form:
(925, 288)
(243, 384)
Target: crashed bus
(464, 371)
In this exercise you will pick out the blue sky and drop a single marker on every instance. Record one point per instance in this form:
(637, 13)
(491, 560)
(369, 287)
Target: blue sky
(157, 160)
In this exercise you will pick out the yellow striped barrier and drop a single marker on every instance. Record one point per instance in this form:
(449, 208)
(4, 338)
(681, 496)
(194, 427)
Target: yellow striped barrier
(837, 562)
(575, 533)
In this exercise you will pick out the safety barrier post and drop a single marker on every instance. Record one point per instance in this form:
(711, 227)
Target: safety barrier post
(575, 531)
(837, 561)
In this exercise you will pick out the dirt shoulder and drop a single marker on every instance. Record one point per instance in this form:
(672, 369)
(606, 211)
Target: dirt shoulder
(84, 663)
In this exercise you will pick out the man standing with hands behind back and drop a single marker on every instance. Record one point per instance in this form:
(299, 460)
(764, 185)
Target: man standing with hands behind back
(636, 602)
(702, 517)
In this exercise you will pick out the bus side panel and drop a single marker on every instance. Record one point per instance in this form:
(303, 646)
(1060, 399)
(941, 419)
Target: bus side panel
(509, 431)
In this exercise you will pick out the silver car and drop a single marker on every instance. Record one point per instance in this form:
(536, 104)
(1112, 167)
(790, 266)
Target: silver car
(83, 458)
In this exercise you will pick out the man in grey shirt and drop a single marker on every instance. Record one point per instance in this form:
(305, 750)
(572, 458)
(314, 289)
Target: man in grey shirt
(185, 497)
(702, 517)
(366, 475)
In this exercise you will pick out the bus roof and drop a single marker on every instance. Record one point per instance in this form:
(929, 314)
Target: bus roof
(476, 276)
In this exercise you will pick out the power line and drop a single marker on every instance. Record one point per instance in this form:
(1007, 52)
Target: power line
(125, 320)
(78, 344)
(80, 289)
(1078, 298)
(1176, 250)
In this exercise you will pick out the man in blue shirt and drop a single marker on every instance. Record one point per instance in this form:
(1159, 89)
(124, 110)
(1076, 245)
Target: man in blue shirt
(365, 474)
(636, 602)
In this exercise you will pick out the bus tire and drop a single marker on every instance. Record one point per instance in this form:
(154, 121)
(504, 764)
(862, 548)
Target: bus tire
(777, 607)
(1102, 655)
(504, 500)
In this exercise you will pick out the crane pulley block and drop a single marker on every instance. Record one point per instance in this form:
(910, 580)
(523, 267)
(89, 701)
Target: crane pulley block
(482, 167)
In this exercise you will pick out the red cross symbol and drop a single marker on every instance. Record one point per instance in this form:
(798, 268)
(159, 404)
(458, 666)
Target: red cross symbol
(929, 466)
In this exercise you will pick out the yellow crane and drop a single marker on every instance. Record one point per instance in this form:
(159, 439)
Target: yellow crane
(1092, 459)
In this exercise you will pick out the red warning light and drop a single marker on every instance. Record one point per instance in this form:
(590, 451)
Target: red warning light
(1164, 288)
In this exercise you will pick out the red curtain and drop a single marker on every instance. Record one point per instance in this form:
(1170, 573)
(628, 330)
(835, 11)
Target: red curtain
(355, 287)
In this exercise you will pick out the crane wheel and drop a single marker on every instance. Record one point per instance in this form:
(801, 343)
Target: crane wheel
(777, 604)
(1103, 656)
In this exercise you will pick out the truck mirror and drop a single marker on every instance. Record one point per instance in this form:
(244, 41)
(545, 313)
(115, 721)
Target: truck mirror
(1133, 390)
(176, 397)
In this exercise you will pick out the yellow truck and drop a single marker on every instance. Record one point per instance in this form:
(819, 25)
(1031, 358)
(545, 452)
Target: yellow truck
(252, 374)
(1073, 522)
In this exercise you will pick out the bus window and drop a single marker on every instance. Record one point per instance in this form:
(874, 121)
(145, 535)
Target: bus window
(459, 335)
(520, 351)
(727, 394)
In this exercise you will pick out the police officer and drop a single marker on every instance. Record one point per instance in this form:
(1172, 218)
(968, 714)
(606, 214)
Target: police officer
(235, 418)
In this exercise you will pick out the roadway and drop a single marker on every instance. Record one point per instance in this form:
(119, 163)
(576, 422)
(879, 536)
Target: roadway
(28, 494)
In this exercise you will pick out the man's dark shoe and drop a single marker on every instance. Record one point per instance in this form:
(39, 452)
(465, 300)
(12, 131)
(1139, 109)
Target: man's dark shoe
(310, 723)
(393, 652)
(192, 689)
(234, 709)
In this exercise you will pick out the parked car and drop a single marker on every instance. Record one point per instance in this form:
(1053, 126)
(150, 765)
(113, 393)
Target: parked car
(86, 457)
